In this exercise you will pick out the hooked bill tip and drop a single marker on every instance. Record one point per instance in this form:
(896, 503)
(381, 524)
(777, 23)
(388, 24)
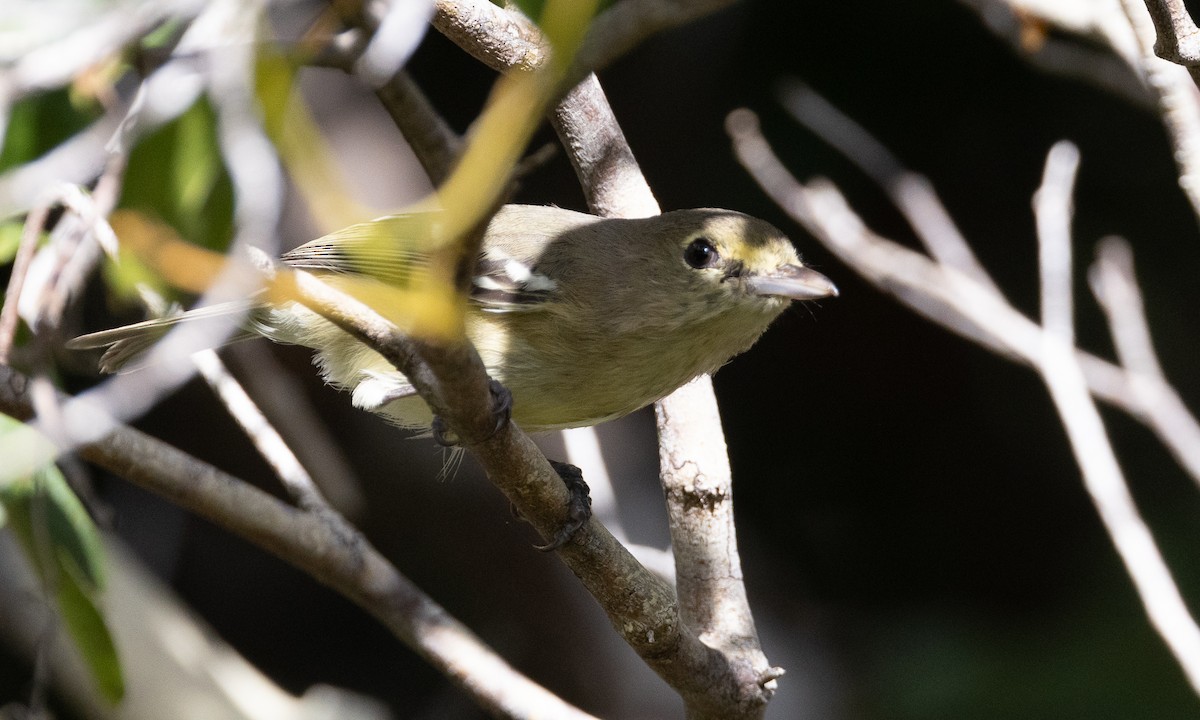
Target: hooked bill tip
(794, 282)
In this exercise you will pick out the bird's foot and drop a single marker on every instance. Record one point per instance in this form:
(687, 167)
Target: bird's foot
(502, 403)
(579, 506)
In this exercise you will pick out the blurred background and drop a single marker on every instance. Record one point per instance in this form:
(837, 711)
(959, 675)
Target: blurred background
(915, 535)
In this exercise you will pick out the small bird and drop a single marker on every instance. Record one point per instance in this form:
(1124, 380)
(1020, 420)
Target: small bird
(583, 319)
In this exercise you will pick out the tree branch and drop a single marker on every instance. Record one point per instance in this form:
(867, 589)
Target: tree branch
(1178, 102)
(452, 379)
(322, 545)
(960, 303)
(1178, 38)
(1102, 474)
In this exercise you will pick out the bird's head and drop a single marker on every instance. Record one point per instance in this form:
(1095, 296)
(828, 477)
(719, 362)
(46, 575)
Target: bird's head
(733, 259)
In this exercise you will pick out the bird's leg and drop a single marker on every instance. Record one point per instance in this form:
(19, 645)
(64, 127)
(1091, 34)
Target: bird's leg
(501, 414)
(579, 506)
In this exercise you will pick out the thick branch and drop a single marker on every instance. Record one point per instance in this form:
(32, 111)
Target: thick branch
(453, 381)
(505, 40)
(694, 466)
(324, 546)
(713, 684)
(1178, 38)
(610, 177)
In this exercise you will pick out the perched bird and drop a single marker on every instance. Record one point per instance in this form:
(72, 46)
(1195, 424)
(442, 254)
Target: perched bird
(583, 319)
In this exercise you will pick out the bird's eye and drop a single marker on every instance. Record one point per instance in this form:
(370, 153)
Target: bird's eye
(700, 253)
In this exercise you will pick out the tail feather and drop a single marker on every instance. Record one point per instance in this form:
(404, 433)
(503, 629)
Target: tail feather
(123, 344)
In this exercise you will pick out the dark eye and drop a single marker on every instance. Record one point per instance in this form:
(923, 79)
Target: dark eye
(700, 253)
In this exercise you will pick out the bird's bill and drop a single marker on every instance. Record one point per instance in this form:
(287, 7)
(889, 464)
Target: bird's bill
(794, 282)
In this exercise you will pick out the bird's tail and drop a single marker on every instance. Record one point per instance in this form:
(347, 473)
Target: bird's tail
(125, 343)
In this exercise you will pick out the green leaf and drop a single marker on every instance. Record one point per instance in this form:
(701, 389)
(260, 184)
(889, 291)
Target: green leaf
(39, 123)
(164, 36)
(10, 240)
(175, 174)
(87, 628)
(64, 548)
(195, 170)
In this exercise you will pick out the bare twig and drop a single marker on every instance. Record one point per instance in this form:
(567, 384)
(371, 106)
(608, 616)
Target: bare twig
(698, 482)
(266, 439)
(9, 317)
(400, 29)
(433, 141)
(324, 546)
(942, 295)
(285, 404)
(85, 219)
(1115, 287)
(912, 193)
(500, 39)
(1102, 474)
(965, 306)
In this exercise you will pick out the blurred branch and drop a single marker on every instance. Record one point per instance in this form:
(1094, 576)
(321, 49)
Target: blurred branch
(9, 318)
(1178, 102)
(59, 62)
(582, 448)
(167, 653)
(433, 141)
(285, 403)
(296, 480)
(1126, 28)
(1115, 287)
(961, 303)
(1029, 26)
(1102, 474)
(1100, 48)
(323, 545)
(913, 194)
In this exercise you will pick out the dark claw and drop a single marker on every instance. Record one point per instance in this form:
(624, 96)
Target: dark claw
(501, 412)
(502, 404)
(579, 507)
